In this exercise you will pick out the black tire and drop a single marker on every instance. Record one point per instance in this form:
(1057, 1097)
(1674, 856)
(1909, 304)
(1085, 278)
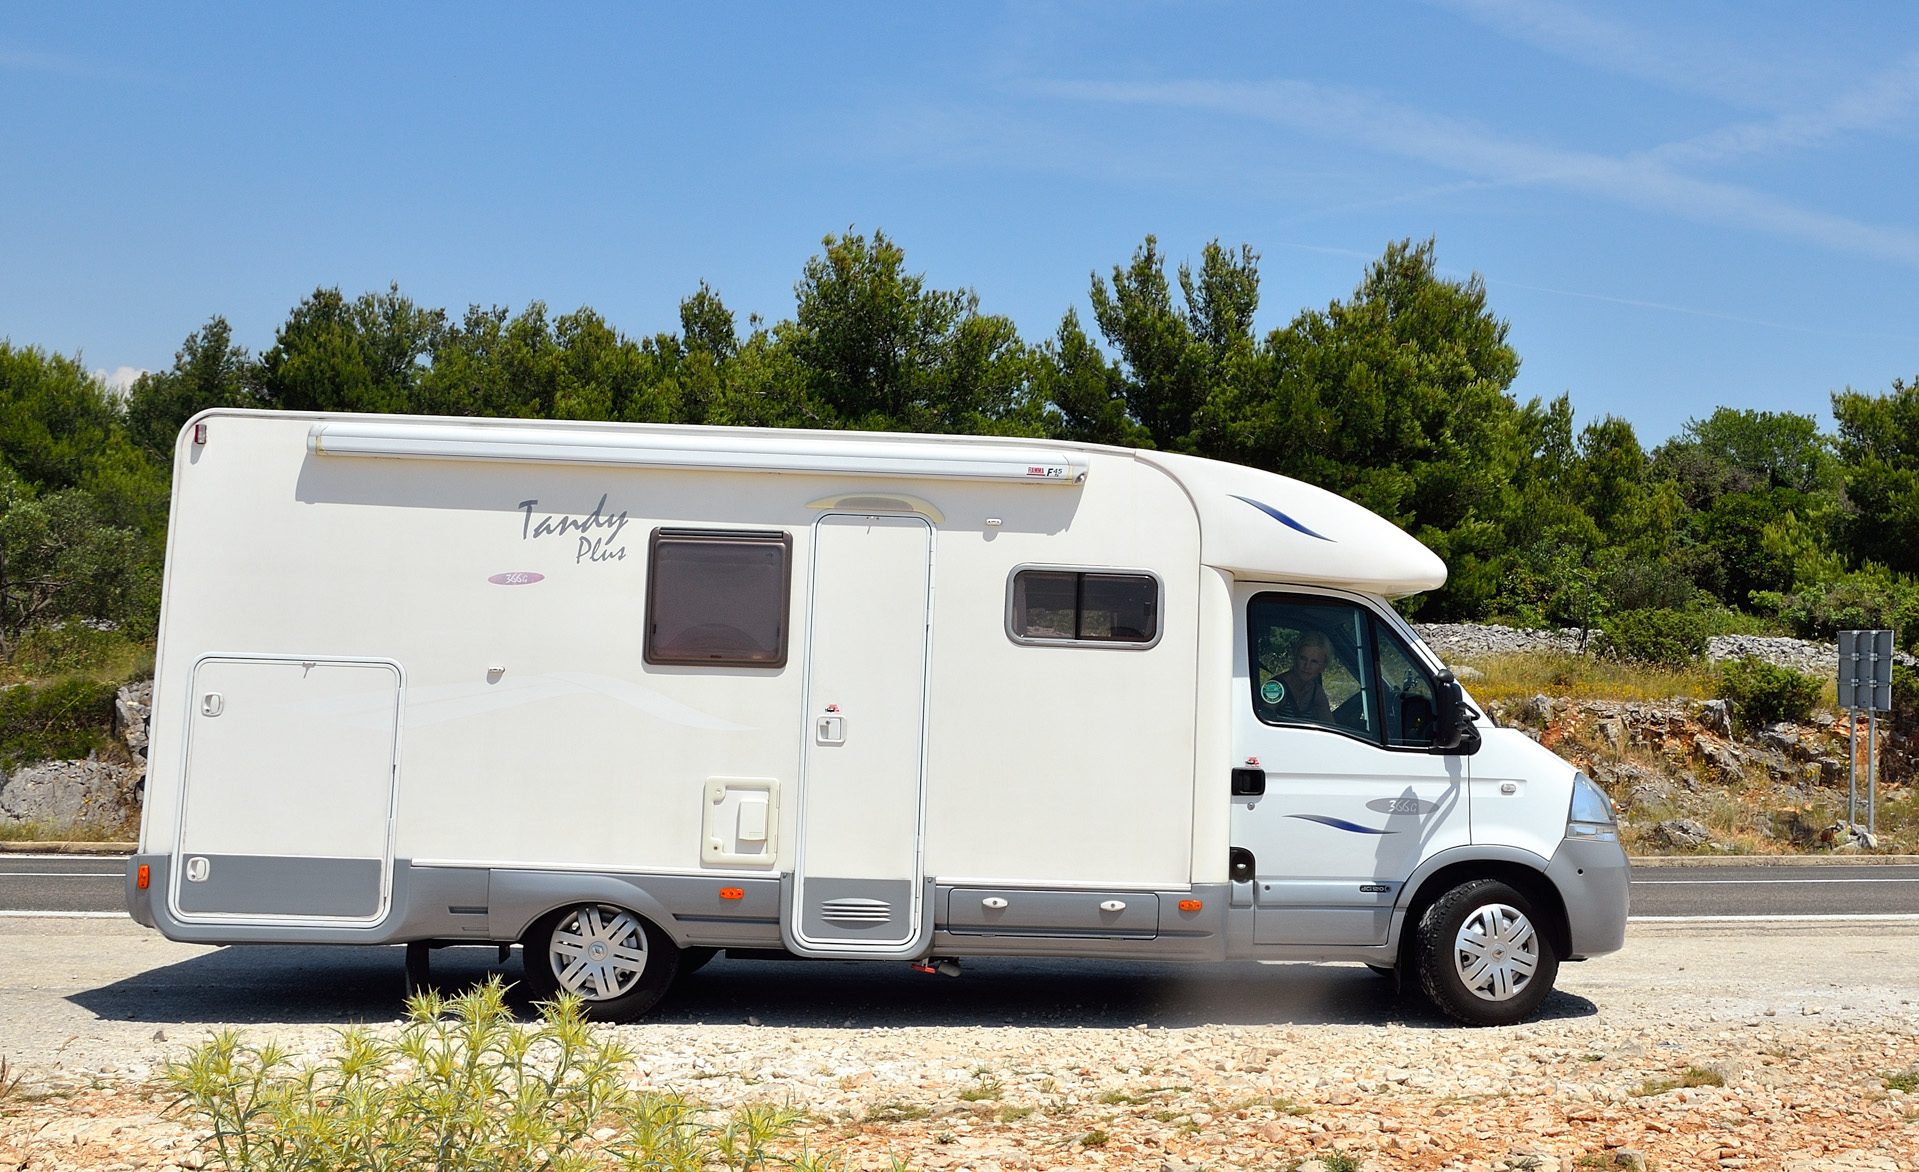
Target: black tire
(625, 962)
(419, 968)
(1502, 990)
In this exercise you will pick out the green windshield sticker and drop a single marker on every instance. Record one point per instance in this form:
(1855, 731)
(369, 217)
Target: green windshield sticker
(1272, 691)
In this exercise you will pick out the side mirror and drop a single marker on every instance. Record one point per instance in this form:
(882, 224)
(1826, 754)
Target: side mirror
(1456, 732)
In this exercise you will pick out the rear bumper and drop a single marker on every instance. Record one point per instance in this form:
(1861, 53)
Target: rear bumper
(1594, 882)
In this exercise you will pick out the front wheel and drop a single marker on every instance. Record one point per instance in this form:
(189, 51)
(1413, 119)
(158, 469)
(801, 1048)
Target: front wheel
(617, 962)
(1482, 954)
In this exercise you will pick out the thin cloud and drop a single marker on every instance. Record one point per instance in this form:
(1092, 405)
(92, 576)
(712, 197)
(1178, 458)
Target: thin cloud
(1640, 181)
(61, 65)
(1690, 311)
(1574, 33)
(1886, 101)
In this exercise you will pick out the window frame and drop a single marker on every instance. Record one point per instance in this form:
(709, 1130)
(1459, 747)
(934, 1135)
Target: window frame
(1159, 606)
(1381, 627)
(761, 537)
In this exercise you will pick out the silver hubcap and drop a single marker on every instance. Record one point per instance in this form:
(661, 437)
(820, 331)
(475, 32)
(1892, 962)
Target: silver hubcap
(598, 952)
(1496, 952)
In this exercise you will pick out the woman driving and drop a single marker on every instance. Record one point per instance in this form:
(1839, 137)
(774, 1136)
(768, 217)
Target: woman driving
(1301, 691)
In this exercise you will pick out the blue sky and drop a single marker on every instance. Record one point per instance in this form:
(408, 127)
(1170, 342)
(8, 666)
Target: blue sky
(1676, 209)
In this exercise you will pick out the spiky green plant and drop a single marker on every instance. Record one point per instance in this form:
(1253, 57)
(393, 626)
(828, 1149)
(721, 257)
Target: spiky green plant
(463, 1088)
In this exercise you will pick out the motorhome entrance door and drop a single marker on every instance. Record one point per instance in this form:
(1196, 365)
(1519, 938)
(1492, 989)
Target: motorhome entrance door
(857, 886)
(289, 791)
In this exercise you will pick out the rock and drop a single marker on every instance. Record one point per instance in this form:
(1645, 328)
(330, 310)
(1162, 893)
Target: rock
(1651, 794)
(1681, 832)
(1472, 640)
(1614, 731)
(1840, 836)
(61, 794)
(1716, 715)
(1783, 742)
(132, 708)
(1466, 672)
(1720, 757)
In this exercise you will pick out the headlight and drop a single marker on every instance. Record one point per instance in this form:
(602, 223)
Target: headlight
(1592, 814)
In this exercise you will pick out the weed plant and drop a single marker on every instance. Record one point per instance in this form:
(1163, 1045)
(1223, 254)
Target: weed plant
(465, 1088)
(1692, 1076)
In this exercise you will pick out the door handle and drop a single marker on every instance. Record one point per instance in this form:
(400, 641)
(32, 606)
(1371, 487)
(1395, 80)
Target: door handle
(1249, 783)
(831, 730)
(1113, 905)
(212, 704)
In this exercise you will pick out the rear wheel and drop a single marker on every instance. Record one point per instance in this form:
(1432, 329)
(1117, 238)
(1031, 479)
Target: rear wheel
(1483, 955)
(616, 961)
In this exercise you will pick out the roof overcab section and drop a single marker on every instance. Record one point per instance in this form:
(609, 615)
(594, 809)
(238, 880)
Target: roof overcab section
(1262, 526)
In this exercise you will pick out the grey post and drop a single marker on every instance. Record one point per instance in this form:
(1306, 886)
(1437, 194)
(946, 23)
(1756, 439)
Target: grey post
(1865, 681)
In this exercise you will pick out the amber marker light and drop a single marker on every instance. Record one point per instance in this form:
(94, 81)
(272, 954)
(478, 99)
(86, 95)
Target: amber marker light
(1190, 905)
(732, 893)
(141, 877)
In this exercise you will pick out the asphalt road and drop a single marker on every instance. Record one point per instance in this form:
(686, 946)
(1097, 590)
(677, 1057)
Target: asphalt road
(65, 883)
(1835, 890)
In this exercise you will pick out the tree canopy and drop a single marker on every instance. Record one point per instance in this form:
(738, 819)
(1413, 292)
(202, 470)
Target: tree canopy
(1398, 396)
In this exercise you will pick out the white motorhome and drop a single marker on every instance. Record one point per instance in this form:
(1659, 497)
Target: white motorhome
(628, 694)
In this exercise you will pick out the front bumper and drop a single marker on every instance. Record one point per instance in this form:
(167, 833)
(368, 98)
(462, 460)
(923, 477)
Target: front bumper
(1594, 881)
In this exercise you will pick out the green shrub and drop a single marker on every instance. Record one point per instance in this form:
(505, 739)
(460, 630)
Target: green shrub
(1762, 692)
(72, 647)
(1671, 638)
(1905, 690)
(1869, 598)
(463, 1087)
(66, 718)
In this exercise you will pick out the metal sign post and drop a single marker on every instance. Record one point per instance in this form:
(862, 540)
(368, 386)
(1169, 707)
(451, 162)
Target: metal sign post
(1865, 681)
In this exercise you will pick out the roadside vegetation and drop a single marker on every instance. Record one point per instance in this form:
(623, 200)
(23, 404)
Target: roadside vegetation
(464, 1086)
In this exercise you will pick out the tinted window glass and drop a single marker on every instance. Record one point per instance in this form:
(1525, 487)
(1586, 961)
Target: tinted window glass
(1080, 605)
(1311, 662)
(717, 598)
(1406, 695)
(1045, 605)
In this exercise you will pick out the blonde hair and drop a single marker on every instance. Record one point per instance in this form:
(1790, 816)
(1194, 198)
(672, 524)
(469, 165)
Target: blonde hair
(1312, 638)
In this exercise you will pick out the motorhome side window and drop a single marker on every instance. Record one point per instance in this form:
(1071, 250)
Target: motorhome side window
(1321, 661)
(718, 597)
(1084, 606)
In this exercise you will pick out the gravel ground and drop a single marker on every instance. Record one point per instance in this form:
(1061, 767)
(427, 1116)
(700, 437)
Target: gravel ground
(1121, 1066)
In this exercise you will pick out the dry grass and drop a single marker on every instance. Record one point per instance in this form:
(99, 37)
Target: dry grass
(1582, 677)
(1692, 1076)
(72, 832)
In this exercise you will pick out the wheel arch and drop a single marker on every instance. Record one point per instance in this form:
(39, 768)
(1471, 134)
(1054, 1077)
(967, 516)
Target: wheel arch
(518, 899)
(1522, 870)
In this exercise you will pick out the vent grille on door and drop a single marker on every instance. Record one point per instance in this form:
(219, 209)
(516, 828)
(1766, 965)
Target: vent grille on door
(856, 913)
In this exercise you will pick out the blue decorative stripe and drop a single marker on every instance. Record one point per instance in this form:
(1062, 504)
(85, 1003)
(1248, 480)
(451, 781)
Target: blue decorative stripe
(1340, 824)
(1282, 518)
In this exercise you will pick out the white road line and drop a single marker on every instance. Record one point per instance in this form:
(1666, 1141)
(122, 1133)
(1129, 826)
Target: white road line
(20, 915)
(1753, 882)
(63, 874)
(1895, 917)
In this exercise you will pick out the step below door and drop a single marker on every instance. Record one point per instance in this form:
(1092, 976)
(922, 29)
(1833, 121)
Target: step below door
(857, 884)
(288, 803)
